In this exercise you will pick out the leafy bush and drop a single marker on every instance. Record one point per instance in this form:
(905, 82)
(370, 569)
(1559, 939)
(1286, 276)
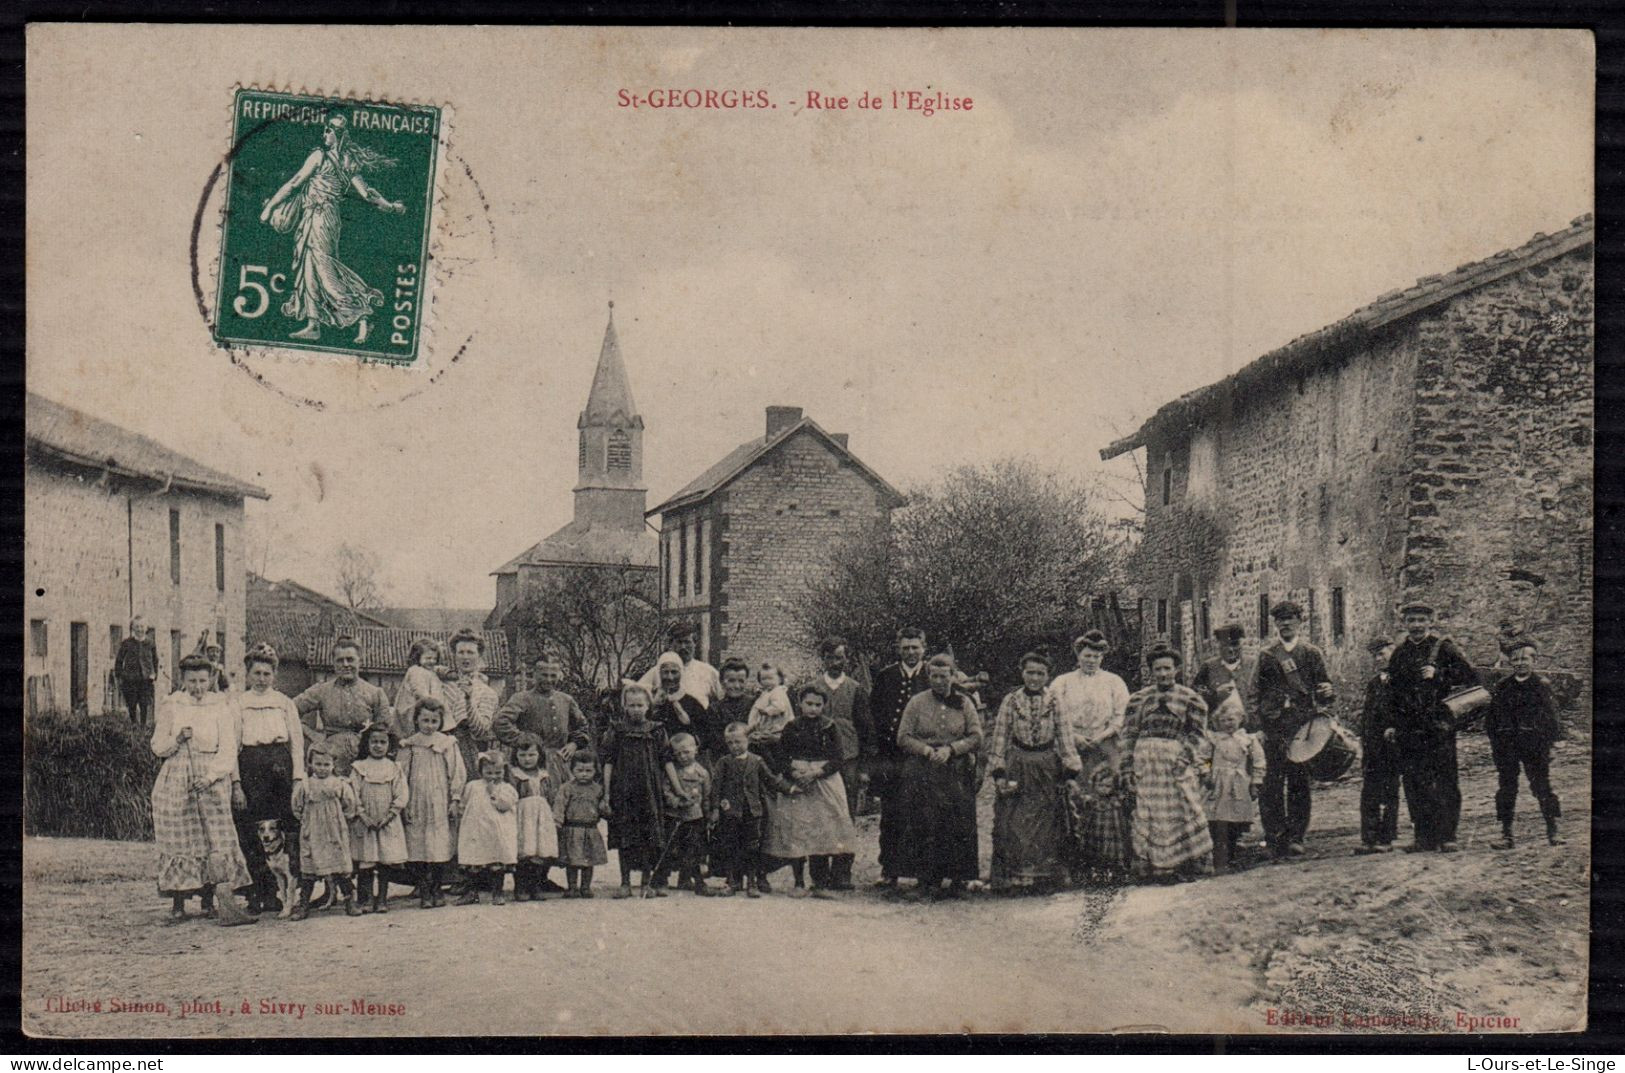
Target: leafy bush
(88, 777)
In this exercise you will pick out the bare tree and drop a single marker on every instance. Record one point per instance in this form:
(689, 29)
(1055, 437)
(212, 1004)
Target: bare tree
(991, 561)
(602, 623)
(359, 579)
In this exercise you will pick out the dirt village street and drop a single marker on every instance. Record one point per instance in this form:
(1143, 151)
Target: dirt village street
(1330, 943)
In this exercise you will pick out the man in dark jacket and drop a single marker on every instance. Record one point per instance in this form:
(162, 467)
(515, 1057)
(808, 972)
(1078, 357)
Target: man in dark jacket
(136, 668)
(1379, 766)
(1522, 726)
(894, 686)
(1292, 681)
(1425, 669)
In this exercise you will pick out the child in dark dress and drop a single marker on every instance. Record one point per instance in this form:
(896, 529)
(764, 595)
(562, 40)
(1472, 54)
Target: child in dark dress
(577, 808)
(738, 808)
(637, 769)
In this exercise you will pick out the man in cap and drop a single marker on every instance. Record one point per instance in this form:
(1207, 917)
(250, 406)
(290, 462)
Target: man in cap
(1424, 669)
(1229, 672)
(1522, 726)
(1379, 766)
(1292, 680)
(892, 687)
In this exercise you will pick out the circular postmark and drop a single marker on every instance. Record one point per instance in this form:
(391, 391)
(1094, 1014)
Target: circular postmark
(338, 247)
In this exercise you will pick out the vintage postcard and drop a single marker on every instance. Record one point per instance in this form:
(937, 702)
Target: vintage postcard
(580, 531)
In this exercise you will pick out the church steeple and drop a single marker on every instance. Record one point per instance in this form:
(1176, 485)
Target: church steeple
(609, 485)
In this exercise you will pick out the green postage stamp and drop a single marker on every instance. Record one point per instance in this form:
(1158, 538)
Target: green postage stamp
(325, 239)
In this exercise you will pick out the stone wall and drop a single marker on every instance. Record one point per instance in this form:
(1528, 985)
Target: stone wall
(1305, 501)
(1500, 493)
(776, 526)
(80, 545)
(1447, 459)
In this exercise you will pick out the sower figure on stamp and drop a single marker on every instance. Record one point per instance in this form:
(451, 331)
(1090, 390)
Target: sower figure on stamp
(1423, 670)
(1379, 761)
(324, 289)
(849, 708)
(894, 686)
(337, 710)
(1292, 679)
(1522, 725)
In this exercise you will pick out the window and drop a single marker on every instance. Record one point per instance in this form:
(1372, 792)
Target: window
(220, 639)
(175, 546)
(175, 658)
(669, 580)
(1162, 616)
(1207, 621)
(219, 557)
(1263, 615)
(699, 557)
(682, 559)
(581, 450)
(1339, 624)
(1314, 620)
(38, 638)
(1167, 485)
(619, 451)
(115, 637)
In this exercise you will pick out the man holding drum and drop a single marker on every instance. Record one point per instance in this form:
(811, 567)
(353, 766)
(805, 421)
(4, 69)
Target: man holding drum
(1292, 679)
(1425, 669)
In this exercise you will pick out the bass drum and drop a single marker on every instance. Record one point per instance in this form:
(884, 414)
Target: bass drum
(1325, 747)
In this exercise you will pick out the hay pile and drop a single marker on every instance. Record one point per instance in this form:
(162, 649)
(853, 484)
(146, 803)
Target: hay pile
(87, 777)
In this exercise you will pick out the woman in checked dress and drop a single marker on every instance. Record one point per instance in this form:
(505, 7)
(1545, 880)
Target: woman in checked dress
(325, 290)
(1162, 732)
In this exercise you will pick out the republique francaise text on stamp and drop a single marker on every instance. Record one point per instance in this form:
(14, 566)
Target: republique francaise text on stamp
(325, 239)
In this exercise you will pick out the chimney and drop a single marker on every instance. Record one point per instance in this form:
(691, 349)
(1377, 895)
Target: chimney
(780, 418)
(840, 438)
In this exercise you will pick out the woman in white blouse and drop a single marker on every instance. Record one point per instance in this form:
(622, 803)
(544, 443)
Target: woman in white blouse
(196, 734)
(270, 760)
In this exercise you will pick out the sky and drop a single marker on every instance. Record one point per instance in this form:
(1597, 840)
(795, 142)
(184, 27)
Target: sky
(1121, 217)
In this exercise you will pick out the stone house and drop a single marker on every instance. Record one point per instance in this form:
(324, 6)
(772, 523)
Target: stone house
(116, 525)
(607, 528)
(289, 616)
(1434, 445)
(740, 541)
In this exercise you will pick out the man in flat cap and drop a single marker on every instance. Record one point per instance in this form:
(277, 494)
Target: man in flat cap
(1424, 669)
(1379, 766)
(1292, 680)
(1522, 727)
(1229, 672)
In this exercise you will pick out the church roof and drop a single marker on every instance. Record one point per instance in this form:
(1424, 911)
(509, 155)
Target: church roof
(582, 543)
(610, 400)
(750, 452)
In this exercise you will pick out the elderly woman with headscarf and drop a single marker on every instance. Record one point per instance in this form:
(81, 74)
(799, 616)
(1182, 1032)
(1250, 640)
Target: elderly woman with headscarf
(680, 712)
(939, 734)
(1165, 726)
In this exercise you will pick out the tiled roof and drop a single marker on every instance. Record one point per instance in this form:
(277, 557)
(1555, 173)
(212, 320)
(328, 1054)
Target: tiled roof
(747, 454)
(386, 649)
(76, 437)
(582, 543)
(1308, 352)
(434, 618)
(288, 631)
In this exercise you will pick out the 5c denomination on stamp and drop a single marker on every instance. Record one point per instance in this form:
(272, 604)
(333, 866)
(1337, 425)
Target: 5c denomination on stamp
(325, 239)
